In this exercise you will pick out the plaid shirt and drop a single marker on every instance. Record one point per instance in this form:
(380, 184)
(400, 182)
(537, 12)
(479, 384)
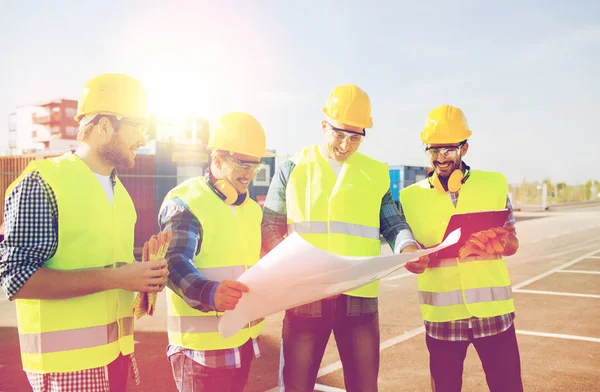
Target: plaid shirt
(392, 224)
(472, 328)
(30, 239)
(188, 283)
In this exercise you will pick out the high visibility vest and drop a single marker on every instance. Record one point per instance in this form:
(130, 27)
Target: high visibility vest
(89, 331)
(339, 215)
(456, 290)
(231, 244)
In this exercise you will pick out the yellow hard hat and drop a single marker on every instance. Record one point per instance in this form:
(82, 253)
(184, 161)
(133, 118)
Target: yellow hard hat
(445, 125)
(241, 133)
(114, 94)
(349, 105)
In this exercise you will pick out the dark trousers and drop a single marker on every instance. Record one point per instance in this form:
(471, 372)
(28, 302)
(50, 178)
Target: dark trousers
(190, 376)
(304, 341)
(118, 371)
(499, 356)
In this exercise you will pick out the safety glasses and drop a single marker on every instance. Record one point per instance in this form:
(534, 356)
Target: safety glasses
(341, 134)
(448, 151)
(139, 126)
(247, 166)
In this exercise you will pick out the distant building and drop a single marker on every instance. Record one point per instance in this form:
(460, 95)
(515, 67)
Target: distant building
(45, 127)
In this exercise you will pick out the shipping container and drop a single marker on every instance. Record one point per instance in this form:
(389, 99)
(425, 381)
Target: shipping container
(260, 185)
(11, 167)
(402, 176)
(139, 182)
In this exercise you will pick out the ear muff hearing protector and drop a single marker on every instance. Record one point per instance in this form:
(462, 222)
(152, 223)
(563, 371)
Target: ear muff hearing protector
(455, 181)
(228, 193)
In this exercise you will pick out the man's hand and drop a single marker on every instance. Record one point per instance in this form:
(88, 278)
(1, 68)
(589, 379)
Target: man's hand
(419, 266)
(149, 276)
(416, 267)
(228, 294)
(490, 242)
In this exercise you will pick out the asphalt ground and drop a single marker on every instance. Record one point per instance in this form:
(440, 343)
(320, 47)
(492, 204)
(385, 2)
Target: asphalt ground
(556, 283)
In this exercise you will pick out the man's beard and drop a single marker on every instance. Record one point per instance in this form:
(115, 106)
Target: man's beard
(112, 153)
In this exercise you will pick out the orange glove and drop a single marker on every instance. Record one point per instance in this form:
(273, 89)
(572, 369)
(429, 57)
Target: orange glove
(155, 248)
(418, 266)
(490, 242)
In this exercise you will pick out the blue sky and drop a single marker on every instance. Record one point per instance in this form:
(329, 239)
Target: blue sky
(524, 72)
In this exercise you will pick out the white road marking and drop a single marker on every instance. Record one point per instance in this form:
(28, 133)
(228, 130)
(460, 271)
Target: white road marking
(566, 250)
(318, 387)
(558, 335)
(388, 343)
(594, 257)
(401, 338)
(564, 233)
(580, 272)
(327, 388)
(557, 293)
(553, 270)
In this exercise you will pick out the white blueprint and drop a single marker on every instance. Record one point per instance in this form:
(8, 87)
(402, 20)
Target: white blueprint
(295, 273)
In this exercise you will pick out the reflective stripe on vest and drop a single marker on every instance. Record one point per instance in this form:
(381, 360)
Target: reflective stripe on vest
(198, 324)
(335, 227)
(75, 339)
(453, 262)
(472, 296)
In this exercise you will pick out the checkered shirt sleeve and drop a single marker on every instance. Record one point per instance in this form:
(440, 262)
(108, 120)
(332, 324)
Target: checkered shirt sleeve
(30, 231)
(184, 279)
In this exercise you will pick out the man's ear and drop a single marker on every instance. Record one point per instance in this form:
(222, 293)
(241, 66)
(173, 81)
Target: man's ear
(324, 126)
(105, 127)
(217, 161)
(464, 149)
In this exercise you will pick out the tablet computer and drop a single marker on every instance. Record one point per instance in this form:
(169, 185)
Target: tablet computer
(470, 223)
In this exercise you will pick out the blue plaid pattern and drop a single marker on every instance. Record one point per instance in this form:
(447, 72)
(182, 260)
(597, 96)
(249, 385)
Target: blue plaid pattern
(184, 279)
(229, 359)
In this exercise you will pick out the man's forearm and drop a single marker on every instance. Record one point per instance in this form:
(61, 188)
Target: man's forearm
(199, 292)
(273, 229)
(271, 238)
(48, 283)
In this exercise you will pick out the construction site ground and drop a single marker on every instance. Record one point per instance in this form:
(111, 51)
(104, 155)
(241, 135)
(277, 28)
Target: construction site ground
(556, 285)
